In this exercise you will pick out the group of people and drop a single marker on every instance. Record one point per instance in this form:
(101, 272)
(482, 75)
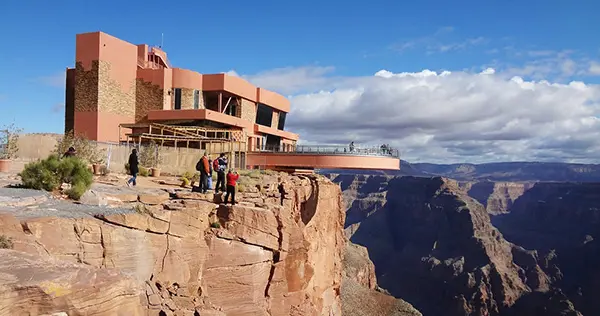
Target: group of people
(225, 182)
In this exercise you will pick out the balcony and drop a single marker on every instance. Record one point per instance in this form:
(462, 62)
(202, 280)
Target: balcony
(325, 157)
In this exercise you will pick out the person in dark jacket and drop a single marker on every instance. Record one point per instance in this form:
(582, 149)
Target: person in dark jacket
(210, 174)
(222, 163)
(133, 167)
(70, 152)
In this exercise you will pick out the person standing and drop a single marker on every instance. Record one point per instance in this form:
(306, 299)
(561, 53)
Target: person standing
(210, 174)
(282, 192)
(232, 178)
(222, 166)
(133, 167)
(204, 169)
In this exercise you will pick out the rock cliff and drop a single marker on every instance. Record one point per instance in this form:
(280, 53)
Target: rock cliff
(434, 246)
(180, 255)
(361, 296)
(496, 197)
(562, 222)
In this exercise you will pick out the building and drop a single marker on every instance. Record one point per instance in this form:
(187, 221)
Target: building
(120, 92)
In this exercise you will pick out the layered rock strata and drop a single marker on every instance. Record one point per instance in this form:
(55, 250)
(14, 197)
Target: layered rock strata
(183, 256)
(435, 247)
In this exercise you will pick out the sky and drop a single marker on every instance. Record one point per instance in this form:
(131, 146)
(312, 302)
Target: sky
(442, 81)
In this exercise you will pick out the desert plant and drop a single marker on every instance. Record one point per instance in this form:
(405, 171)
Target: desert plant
(86, 149)
(241, 188)
(50, 173)
(141, 208)
(6, 242)
(215, 225)
(151, 156)
(144, 172)
(9, 140)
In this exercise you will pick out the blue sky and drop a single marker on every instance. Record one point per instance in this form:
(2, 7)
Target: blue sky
(358, 38)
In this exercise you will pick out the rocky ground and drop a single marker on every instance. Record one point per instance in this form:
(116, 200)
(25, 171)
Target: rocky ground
(159, 249)
(163, 250)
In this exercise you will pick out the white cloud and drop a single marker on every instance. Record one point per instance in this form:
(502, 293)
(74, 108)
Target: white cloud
(444, 116)
(57, 80)
(594, 68)
(439, 42)
(288, 80)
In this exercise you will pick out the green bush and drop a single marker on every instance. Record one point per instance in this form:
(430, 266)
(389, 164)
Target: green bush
(50, 173)
(142, 172)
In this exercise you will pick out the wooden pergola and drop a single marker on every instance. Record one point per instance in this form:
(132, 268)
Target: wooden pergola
(215, 140)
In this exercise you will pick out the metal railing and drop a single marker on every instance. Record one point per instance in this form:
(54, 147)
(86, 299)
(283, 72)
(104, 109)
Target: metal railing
(332, 150)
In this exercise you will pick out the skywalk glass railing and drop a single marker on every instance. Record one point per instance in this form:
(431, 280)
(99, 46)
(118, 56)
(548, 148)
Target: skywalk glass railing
(333, 150)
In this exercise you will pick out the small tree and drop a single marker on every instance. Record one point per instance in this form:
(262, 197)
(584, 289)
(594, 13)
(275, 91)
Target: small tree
(151, 155)
(87, 150)
(9, 140)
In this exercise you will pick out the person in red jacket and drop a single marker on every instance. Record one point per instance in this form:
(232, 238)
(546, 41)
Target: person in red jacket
(232, 178)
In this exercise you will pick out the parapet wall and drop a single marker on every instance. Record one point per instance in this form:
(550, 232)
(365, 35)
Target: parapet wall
(174, 160)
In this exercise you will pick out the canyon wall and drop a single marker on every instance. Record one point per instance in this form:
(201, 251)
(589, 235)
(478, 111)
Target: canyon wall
(562, 222)
(496, 197)
(434, 246)
(182, 255)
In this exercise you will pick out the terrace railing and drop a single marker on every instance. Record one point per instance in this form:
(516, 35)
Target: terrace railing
(333, 150)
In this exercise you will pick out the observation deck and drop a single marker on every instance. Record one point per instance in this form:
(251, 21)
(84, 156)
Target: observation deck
(310, 157)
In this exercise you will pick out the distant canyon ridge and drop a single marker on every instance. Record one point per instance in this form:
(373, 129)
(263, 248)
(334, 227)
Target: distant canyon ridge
(498, 171)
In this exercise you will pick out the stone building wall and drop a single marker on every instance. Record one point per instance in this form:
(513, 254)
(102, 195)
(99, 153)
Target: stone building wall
(275, 119)
(248, 110)
(148, 97)
(112, 96)
(187, 99)
(86, 88)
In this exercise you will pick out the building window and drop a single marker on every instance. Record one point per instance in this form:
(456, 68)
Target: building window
(264, 115)
(177, 99)
(281, 123)
(196, 99)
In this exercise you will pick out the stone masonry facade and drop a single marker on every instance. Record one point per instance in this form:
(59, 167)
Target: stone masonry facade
(275, 119)
(148, 97)
(248, 110)
(86, 88)
(112, 97)
(187, 99)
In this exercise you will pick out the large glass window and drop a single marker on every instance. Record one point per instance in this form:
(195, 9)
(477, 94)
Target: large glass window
(281, 123)
(177, 99)
(264, 115)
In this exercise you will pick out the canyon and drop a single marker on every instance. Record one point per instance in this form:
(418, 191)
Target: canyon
(478, 247)
(347, 245)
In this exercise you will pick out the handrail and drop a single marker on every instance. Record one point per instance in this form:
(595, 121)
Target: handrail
(333, 150)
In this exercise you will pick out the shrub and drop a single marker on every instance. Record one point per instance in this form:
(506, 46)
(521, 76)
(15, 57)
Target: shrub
(215, 225)
(241, 188)
(9, 139)
(50, 173)
(86, 149)
(142, 172)
(6, 242)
